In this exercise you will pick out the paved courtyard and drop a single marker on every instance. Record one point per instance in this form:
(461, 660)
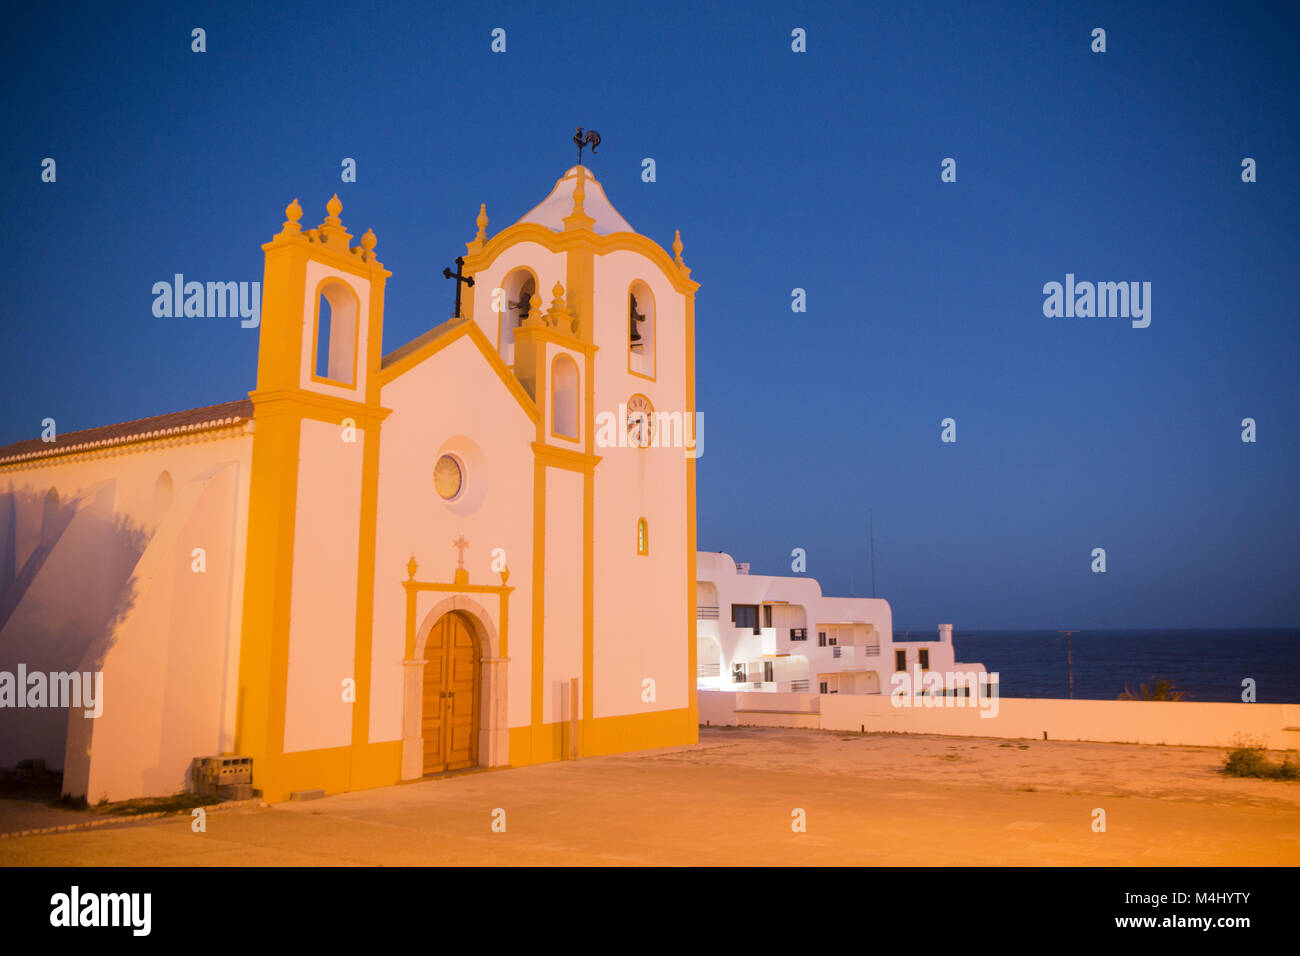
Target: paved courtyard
(731, 799)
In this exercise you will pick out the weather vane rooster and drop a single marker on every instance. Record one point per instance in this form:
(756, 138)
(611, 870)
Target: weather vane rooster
(592, 139)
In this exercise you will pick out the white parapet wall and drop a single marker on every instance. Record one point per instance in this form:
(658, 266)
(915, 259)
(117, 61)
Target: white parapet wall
(1185, 723)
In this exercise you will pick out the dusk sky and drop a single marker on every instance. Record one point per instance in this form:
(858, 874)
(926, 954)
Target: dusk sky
(783, 170)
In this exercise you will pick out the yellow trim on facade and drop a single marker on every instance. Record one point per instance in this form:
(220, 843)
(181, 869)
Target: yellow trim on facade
(414, 587)
(453, 334)
(539, 591)
(691, 584)
(624, 733)
(580, 239)
(566, 458)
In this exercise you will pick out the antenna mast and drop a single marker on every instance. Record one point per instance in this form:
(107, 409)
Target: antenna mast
(871, 516)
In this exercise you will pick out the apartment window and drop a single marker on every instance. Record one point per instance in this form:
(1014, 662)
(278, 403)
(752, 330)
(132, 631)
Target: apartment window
(767, 615)
(798, 633)
(745, 615)
(821, 638)
(768, 671)
(738, 673)
(822, 687)
(835, 653)
(923, 655)
(900, 660)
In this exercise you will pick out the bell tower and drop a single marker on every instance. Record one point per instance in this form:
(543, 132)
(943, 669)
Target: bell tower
(610, 364)
(322, 309)
(309, 570)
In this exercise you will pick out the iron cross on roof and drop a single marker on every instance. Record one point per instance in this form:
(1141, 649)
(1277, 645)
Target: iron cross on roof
(459, 277)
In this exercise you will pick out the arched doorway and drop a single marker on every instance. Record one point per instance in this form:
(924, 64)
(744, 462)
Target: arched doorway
(449, 713)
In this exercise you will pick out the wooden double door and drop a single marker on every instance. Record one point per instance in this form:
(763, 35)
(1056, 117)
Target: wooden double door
(450, 715)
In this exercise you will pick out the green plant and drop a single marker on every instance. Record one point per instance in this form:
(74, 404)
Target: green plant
(1252, 762)
(1158, 689)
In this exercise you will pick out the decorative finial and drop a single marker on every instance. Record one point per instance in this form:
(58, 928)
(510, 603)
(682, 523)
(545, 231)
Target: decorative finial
(410, 568)
(292, 212)
(481, 222)
(578, 219)
(559, 311)
(535, 304)
(677, 247)
(369, 241)
(331, 229)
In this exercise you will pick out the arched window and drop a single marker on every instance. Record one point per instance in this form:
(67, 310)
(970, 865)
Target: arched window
(642, 536)
(520, 286)
(334, 356)
(641, 330)
(564, 397)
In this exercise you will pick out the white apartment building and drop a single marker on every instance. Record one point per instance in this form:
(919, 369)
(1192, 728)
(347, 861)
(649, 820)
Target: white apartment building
(758, 632)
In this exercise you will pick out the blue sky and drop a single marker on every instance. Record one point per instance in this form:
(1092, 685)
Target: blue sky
(819, 171)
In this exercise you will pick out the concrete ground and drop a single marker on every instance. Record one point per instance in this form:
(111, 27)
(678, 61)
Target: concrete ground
(868, 800)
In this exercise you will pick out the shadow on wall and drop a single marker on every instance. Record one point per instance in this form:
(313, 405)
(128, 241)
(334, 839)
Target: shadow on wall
(65, 585)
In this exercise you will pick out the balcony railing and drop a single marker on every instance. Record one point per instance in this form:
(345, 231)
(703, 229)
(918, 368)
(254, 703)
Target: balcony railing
(706, 612)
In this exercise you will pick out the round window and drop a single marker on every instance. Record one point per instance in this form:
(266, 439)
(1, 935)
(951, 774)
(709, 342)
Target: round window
(447, 477)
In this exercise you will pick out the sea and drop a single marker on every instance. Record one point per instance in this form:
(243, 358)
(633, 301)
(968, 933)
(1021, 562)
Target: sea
(1206, 665)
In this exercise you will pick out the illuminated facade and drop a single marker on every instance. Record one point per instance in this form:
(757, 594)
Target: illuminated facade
(379, 566)
(780, 634)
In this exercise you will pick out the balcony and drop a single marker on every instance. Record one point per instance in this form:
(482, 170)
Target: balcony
(706, 612)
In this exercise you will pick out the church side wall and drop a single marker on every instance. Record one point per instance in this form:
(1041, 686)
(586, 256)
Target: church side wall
(103, 578)
(164, 676)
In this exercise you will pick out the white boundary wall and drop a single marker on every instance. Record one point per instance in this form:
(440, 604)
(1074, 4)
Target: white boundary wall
(1186, 723)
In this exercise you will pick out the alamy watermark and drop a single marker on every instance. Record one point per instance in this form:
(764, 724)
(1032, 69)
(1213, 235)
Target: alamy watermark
(917, 688)
(1102, 300)
(213, 300)
(642, 429)
(75, 908)
(62, 689)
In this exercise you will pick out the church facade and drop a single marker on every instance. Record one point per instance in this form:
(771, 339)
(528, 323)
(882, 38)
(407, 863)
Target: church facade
(379, 566)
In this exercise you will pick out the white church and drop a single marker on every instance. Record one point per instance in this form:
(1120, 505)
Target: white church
(377, 565)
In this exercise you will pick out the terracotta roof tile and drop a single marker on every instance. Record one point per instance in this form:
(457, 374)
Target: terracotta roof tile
(190, 420)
